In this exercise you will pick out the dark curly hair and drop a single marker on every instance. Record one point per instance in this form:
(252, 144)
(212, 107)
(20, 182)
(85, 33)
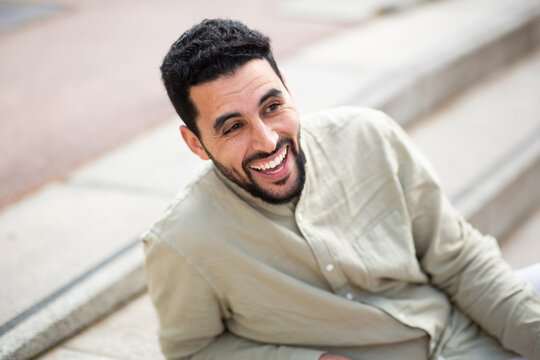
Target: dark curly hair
(210, 49)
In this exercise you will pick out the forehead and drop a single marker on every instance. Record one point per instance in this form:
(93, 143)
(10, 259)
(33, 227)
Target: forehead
(237, 92)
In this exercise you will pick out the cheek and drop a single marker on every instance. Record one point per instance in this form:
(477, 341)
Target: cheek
(233, 153)
(293, 127)
(288, 125)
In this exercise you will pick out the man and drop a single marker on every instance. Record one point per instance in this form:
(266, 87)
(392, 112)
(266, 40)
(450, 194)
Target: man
(333, 241)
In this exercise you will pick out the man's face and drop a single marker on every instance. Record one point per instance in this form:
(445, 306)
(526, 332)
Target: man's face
(249, 127)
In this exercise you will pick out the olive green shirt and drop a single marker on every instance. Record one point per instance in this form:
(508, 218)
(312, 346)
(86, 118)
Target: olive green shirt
(372, 262)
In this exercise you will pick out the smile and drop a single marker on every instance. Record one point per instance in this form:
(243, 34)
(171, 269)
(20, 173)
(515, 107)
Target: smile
(272, 166)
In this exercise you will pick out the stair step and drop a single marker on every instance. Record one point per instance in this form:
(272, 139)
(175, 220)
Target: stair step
(521, 247)
(409, 63)
(485, 146)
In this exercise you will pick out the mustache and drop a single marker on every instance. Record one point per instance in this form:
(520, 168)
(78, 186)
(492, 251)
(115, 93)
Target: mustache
(262, 155)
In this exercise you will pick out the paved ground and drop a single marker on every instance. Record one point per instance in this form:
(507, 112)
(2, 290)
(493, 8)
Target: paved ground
(85, 78)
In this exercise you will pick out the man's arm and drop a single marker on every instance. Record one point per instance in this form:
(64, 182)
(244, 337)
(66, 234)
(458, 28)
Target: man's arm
(191, 315)
(462, 262)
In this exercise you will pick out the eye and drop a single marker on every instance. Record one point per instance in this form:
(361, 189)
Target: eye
(273, 107)
(232, 128)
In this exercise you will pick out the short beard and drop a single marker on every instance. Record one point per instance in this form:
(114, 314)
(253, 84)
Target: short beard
(257, 191)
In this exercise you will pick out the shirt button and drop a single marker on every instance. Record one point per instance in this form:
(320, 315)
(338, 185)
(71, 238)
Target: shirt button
(401, 316)
(329, 267)
(300, 217)
(349, 296)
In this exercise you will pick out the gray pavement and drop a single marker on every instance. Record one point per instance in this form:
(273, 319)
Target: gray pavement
(72, 253)
(13, 15)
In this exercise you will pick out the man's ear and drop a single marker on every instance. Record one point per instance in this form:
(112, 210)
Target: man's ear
(193, 142)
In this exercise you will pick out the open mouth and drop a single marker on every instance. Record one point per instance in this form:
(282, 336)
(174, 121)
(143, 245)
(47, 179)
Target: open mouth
(274, 165)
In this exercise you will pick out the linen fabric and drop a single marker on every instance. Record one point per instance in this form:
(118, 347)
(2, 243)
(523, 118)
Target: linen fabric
(372, 262)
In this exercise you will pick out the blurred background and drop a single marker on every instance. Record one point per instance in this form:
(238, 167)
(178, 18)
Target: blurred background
(90, 152)
(78, 78)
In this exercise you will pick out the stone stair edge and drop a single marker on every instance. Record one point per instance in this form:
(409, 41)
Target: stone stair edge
(457, 70)
(119, 281)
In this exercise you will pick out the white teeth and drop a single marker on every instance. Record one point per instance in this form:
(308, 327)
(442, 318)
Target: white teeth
(272, 164)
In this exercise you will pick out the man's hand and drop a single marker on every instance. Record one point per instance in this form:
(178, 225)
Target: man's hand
(332, 357)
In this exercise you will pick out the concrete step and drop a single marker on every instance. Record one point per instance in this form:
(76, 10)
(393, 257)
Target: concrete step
(521, 247)
(485, 147)
(128, 333)
(344, 11)
(71, 250)
(409, 63)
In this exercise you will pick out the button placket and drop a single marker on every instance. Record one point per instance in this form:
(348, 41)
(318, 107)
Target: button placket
(329, 267)
(324, 258)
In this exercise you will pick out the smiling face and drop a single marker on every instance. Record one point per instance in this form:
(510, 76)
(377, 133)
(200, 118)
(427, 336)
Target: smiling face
(249, 127)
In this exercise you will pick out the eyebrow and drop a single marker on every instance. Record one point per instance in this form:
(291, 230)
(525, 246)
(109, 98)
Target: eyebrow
(221, 120)
(270, 93)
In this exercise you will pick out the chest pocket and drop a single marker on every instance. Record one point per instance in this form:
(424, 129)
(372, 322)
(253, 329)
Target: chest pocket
(387, 250)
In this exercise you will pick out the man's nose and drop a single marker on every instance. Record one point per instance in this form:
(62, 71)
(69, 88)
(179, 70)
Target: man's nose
(264, 137)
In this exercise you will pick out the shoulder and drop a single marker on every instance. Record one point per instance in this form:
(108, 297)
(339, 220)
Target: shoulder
(344, 115)
(354, 128)
(348, 121)
(192, 217)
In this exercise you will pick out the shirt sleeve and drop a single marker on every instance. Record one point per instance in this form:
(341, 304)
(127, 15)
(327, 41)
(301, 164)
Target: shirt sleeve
(461, 261)
(191, 314)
